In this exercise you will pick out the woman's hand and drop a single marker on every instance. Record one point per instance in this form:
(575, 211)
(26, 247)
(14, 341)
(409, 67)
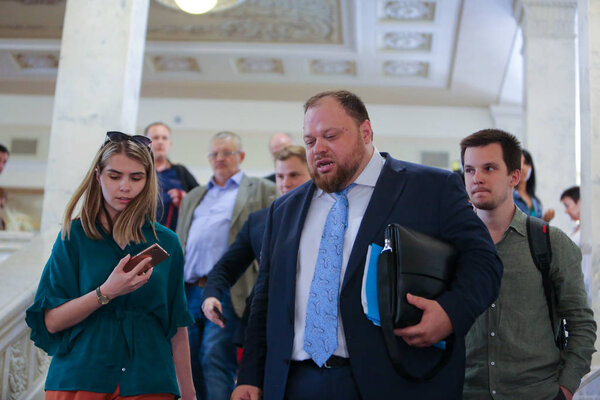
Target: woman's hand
(120, 282)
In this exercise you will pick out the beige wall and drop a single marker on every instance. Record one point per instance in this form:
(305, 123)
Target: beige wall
(404, 131)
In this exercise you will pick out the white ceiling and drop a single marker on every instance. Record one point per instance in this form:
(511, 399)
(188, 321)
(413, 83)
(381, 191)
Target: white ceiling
(422, 52)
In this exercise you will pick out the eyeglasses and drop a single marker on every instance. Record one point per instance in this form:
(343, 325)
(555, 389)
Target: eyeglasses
(225, 154)
(116, 137)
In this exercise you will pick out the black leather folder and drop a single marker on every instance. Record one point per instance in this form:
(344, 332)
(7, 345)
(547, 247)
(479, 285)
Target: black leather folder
(416, 263)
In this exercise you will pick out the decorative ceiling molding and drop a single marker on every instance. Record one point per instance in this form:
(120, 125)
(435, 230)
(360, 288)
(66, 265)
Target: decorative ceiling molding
(36, 61)
(333, 42)
(175, 64)
(37, 2)
(262, 21)
(406, 69)
(408, 10)
(332, 67)
(253, 65)
(406, 41)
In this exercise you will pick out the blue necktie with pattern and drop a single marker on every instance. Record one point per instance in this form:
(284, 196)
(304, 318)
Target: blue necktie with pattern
(320, 333)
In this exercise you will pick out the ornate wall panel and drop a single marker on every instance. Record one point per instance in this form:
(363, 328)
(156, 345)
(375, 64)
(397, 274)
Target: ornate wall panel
(408, 10)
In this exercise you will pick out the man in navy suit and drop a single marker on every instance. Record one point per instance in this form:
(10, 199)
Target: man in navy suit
(277, 362)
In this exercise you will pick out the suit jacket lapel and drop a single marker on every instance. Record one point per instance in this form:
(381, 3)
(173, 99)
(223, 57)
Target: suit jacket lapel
(242, 198)
(188, 216)
(386, 195)
(296, 225)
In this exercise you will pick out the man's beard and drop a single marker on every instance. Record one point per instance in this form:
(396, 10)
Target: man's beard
(340, 178)
(489, 204)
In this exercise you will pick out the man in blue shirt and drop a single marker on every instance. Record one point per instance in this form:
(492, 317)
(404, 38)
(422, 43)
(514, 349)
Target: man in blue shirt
(174, 180)
(210, 218)
(291, 171)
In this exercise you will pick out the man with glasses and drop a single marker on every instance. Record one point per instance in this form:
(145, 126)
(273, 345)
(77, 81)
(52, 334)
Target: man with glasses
(209, 220)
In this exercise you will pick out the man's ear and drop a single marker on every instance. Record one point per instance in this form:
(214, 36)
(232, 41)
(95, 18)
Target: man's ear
(366, 132)
(515, 177)
(242, 155)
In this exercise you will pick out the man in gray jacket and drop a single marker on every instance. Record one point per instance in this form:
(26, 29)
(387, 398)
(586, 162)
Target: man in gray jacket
(209, 220)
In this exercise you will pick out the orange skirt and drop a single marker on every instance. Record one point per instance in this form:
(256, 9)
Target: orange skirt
(83, 395)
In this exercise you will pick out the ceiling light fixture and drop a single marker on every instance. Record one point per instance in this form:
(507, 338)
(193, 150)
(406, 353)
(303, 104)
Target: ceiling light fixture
(196, 6)
(200, 6)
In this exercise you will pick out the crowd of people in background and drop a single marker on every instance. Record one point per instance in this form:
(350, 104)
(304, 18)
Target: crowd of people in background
(260, 294)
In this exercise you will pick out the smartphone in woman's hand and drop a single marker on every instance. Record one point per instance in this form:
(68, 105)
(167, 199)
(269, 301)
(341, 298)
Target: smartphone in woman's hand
(157, 253)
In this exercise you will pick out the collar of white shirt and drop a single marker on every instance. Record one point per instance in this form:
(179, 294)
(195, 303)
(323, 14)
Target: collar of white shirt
(369, 175)
(235, 179)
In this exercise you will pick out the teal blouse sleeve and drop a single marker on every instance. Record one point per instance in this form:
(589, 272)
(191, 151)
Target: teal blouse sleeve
(58, 284)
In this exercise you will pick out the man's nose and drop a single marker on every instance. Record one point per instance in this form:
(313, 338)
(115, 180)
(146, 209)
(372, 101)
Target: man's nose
(320, 145)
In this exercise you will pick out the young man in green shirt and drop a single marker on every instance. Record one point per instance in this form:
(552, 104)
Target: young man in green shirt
(511, 352)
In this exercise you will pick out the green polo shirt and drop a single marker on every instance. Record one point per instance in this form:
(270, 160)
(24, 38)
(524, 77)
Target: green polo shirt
(126, 342)
(510, 348)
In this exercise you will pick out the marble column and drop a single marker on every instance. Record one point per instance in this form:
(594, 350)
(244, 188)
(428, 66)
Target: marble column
(97, 90)
(589, 71)
(550, 104)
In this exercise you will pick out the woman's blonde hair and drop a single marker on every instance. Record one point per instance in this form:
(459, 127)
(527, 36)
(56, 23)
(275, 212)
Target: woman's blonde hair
(127, 226)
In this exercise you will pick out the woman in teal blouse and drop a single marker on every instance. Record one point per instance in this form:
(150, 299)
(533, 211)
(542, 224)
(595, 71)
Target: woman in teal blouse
(111, 331)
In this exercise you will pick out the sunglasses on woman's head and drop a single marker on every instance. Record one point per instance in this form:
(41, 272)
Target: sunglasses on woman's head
(115, 137)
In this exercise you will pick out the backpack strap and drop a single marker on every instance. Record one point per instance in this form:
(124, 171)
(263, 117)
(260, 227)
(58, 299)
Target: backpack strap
(538, 235)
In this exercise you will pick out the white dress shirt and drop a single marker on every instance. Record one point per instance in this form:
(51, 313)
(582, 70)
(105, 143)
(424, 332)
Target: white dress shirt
(358, 199)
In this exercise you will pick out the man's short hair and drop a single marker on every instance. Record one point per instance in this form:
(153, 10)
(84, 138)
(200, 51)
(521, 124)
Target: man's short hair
(237, 140)
(147, 129)
(511, 147)
(287, 134)
(291, 151)
(3, 149)
(351, 103)
(572, 192)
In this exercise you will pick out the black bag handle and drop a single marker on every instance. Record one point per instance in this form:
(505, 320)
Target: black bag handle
(385, 296)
